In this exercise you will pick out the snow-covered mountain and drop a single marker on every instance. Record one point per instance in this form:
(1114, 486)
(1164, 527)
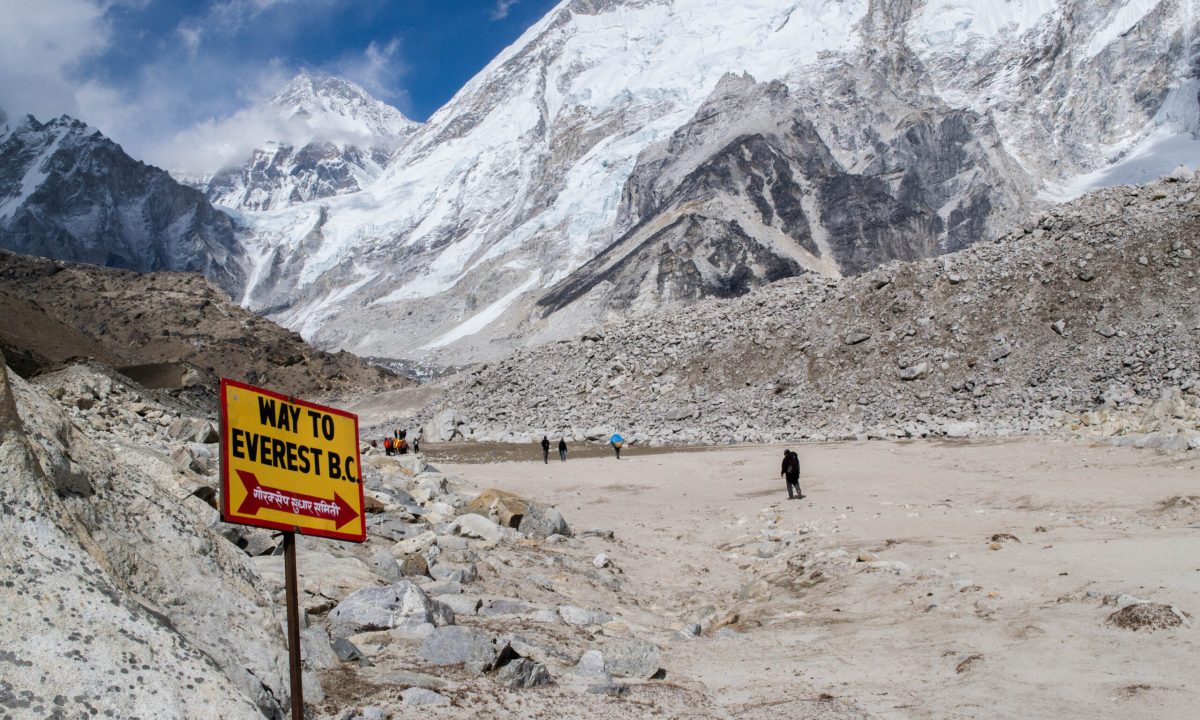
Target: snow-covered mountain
(329, 137)
(69, 193)
(601, 165)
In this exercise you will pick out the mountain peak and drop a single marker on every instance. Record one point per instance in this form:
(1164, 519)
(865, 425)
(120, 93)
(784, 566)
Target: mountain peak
(332, 103)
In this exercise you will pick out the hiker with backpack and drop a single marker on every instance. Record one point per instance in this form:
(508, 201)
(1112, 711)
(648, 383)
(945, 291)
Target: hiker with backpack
(562, 449)
(545, 449)
(617, 441)
(791, 473)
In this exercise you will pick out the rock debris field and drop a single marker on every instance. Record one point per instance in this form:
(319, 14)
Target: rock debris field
(1085, 320)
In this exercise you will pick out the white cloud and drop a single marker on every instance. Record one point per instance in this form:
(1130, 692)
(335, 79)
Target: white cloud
(502, 7)
(378, 69)
(42, 45)
(219, 142)
(195, 101)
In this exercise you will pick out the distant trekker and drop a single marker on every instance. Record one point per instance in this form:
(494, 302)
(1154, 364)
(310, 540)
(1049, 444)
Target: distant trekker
(545, 449)
(791, 472)
(417, 440)
(562, 449)
(617, 441)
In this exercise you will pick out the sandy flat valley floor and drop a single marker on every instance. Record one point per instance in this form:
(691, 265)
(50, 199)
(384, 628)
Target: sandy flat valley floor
(917, 580)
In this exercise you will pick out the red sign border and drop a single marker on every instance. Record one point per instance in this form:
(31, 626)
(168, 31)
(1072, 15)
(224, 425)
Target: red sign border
(226, 509)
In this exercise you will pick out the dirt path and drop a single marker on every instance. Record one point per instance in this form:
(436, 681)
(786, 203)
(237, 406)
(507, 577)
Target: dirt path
(884, 594)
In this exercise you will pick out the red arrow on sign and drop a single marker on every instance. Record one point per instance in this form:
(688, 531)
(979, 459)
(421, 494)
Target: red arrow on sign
(259, 496)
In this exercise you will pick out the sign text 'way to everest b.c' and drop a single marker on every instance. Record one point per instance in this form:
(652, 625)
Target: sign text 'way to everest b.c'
(289, 464)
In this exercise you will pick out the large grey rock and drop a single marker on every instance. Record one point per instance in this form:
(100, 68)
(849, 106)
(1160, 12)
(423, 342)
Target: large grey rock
(590, 668)
(542, 521)
(457, 645)
(522, 673)
(403, 604)
(169, 595)
(411, 464)
(316, 651)
(447, 572)
(384, 565)
(442, 427)
(477, 526)
(632, 658)
(462, 604)
(573, 615)
(420, 697)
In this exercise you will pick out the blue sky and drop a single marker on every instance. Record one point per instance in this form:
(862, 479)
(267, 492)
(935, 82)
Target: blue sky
(144, 71)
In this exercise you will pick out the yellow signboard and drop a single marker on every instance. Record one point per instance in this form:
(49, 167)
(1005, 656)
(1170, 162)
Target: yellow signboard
(289, 464)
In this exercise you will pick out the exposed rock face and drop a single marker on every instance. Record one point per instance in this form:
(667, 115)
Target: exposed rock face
(67, 192)
(99, 591)
(747, 193)
(280, 174)
(167, 330)
(1084, 318)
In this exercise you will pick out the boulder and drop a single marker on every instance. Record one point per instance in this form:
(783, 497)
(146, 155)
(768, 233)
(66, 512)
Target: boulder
(478, 526)
(1181, 173)
(590, 667)
(442, 427)
(414, 565)
(384, 565)
(348, 651)
(462, 604)
(542, 521)
(381, 608)
(522, 673)
(457, 645)
(573, 615)
(682, 412)
(410, 464)
(316, 652)
(632, 659)
(420, 697)
(138, 566)
(503, 508)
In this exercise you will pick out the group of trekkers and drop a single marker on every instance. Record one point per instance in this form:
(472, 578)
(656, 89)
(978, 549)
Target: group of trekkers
(616, 441)
(397, 443)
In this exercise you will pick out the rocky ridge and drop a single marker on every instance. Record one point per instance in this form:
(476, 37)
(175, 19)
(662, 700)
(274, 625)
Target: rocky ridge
(170, 330)
(1082, 319)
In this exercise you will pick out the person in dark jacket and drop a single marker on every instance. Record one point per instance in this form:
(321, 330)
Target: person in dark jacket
(791, 473)
(545, 449)
(562, 449)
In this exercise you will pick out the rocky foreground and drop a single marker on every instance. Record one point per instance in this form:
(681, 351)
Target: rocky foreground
(1086, 319)
(126, 596)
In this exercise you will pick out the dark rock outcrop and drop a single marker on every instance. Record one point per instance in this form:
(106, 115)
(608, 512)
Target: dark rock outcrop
(69, 193)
